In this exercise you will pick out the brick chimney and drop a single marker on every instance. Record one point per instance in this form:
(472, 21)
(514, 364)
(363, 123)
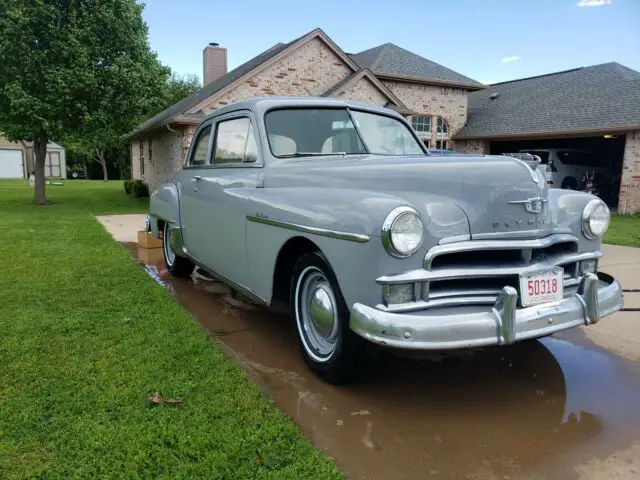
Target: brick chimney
(214, 62)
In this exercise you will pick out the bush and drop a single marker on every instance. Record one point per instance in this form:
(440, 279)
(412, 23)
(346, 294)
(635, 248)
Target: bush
(139, 189)
(128, 187)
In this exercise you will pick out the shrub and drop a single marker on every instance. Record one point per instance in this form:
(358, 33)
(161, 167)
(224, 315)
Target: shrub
(128, 187)
(139, 189)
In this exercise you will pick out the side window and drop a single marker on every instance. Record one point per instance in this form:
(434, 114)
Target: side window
(235, 142)
(199, 155)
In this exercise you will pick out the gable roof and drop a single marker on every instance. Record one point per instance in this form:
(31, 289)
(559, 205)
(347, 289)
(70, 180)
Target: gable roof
(184, 110)
(391, 61)
(177, 112)
(393, 101)
(599, 98)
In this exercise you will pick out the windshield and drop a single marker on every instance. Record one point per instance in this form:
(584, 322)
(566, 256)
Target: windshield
(330, 131)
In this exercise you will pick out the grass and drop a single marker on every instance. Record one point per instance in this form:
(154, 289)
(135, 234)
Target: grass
(624, 230)
(86, 336)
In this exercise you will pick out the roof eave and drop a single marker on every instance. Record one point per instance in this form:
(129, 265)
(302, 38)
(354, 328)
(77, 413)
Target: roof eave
(552, 134)
(159, 126)
(431, 81)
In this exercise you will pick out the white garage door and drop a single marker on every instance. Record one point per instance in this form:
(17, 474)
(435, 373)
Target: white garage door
(11, 164)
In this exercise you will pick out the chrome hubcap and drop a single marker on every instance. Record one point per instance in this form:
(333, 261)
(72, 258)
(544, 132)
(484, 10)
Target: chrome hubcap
(169, 256)
(316, 314)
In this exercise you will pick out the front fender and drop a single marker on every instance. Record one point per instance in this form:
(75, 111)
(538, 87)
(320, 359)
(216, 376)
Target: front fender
(362, 212)
(165, 203)
(567, 207)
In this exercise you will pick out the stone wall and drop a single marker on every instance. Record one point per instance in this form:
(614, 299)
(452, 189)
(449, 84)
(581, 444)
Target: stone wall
(630, 184)
(310, 70)
(363, 91)
(448, 102)
(479, 147)
(163, 154)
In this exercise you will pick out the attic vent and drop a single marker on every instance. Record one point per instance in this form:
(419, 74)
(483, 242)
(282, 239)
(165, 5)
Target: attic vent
(494, 95)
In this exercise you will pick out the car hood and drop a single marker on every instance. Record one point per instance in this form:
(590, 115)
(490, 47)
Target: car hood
(496, 193)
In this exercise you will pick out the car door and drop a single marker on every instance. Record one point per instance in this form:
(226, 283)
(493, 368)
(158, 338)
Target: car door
(191, 200)
(235, 170)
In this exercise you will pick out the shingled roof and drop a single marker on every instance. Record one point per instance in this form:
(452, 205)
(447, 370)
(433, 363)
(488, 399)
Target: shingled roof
(389, 60)
(594, 99)
(177, 113)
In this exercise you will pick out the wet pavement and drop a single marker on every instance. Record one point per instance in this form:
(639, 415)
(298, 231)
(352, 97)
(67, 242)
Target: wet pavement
(559, 408)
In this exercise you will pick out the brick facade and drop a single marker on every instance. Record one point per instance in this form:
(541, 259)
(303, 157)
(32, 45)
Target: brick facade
(162, 155)
(363, 91)
(630, 184)
(310, 70)
(479, 147)
(430, 100)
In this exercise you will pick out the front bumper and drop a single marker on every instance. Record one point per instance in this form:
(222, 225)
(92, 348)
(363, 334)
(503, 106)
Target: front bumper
(598, 296)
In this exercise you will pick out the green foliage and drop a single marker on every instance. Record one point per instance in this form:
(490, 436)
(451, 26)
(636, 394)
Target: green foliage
(139, 189)
(87, 336)
(128, 187)
(624, 230)
(79, 72)
(179, 87)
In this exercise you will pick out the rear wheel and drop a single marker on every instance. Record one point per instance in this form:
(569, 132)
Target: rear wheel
(321, 317)
(178, 266)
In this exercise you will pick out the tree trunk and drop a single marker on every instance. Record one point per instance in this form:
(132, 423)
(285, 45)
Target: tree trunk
(40, 151)
(103, 162)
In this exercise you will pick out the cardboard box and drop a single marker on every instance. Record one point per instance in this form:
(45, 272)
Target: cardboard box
(146, 240)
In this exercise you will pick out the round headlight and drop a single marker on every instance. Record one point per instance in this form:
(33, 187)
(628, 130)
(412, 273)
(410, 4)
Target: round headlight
(595, 219)
(402, 232)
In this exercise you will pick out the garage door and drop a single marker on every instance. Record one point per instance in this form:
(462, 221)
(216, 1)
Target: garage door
(11, 164)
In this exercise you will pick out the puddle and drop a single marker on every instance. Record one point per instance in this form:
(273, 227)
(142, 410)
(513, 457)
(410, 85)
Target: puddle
(535, 410)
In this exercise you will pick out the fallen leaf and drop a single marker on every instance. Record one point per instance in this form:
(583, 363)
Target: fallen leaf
(158, 399)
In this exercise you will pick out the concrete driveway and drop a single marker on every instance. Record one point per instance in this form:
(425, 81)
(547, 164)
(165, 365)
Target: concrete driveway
(562, 408)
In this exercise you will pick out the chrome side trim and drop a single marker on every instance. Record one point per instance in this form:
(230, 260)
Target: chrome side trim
(495, 245)
(352, 237)
(523, 234)
(454, 239)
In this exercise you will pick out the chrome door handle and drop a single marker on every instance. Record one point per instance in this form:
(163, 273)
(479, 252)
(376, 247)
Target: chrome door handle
(197, 177)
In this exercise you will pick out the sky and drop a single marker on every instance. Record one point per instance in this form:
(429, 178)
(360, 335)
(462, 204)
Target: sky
(487, 40)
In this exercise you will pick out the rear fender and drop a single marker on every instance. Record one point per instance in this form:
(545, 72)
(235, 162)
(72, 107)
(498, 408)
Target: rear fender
(164, 205)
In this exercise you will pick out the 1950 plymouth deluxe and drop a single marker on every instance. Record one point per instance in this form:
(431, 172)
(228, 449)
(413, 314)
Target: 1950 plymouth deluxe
(337, 208)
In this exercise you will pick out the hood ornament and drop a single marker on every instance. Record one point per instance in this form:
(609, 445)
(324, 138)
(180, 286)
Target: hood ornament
(532, 205)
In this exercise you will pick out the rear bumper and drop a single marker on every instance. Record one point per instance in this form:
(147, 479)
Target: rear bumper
(502, 324)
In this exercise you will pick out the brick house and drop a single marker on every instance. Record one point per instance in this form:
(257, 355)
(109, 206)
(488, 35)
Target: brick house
(593, 108)
(313, 65)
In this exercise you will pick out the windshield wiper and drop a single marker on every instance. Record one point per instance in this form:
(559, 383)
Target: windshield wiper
(311, 154)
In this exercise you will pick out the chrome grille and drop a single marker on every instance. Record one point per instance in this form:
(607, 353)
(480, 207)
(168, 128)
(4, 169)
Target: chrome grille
(474, 272)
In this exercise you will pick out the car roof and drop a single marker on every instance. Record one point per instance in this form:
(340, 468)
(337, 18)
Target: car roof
(261, 105)
(555, 150)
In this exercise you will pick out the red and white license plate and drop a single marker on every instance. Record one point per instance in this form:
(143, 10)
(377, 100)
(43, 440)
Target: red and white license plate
(541, 286)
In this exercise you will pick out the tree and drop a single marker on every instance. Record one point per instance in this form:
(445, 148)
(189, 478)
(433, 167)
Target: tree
(78, 71)
(179, 87)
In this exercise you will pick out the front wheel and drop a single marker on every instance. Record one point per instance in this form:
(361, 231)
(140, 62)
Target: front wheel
(321, 318)
(178, 266)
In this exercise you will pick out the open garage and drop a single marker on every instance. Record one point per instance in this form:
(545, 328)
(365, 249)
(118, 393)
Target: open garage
(587, 119)
(599, 156)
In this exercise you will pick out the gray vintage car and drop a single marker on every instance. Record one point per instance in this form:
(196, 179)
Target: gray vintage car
(337, 208)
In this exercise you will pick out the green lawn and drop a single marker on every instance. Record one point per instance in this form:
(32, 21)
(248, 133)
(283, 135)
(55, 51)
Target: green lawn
(86, 336)
(624, 230)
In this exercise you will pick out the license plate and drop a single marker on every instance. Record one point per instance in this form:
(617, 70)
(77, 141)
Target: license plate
(541, 286)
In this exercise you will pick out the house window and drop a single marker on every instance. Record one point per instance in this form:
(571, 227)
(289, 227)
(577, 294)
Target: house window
(443, 126)
(421, 123)
(442, 144)
(427, 142)
(141, 155)
(150, 152)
